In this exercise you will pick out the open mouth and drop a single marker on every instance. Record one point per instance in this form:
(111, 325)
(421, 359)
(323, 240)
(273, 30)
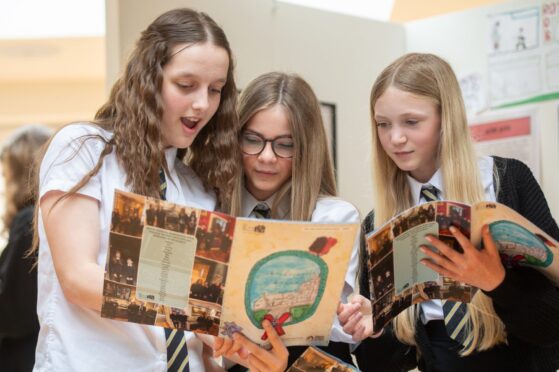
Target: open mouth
(189, 123)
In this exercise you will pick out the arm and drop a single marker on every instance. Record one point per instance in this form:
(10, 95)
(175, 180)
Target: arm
(524, 299)
(520, 191)
(72, 229)
(528, 303)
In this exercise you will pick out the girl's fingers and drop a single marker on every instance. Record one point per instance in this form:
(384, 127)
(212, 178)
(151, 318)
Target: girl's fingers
(488, 241)
(439, 269)
(350, 326)
(436, 258)
(462, 239)
(256, 364)
(234, 349)
(221, 346)
(278, 347)
(347, 311)
(444, 249)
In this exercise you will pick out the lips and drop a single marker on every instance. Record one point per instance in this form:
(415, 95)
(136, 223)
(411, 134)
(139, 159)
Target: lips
(266, 173)
(189, 123)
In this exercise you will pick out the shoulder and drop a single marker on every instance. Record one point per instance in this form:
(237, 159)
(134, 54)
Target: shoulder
(80, 135)
(510, 166)
(331, 209)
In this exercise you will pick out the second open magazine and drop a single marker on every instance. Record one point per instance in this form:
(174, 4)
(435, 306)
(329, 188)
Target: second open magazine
(397, 279)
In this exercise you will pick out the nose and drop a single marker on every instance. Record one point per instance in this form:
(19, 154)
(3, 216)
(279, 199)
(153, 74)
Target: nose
(267, 154)
(201, 101)
(398, 136)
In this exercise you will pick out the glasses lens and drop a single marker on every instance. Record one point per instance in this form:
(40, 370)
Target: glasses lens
(251, 144)
(283, 147)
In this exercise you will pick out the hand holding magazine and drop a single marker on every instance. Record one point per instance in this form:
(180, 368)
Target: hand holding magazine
(184, 268)
(396, 278)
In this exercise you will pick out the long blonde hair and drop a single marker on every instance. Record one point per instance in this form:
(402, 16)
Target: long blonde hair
(19, 154)
(312, 172)
(429, 76)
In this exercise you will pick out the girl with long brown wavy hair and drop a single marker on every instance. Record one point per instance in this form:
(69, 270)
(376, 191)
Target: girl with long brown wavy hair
(172, 110)
(422, 151)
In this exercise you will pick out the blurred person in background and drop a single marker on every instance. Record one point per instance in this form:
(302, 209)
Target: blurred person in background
(19, 326)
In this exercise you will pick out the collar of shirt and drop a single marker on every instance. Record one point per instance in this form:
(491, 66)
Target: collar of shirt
(170, 156)
(485, 164)
(415, 186)
(249, 202)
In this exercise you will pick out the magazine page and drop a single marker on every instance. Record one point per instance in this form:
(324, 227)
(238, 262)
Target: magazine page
(314, 359)
(290, 273)
(179, 267)
(397, 279)
(520, 242)
(167, 264)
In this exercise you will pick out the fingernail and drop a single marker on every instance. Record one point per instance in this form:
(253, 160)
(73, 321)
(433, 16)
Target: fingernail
(429, 238)
(453, 229)
(422, 249)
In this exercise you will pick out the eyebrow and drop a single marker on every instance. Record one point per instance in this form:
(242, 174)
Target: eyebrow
(186, 74)
(250, 131)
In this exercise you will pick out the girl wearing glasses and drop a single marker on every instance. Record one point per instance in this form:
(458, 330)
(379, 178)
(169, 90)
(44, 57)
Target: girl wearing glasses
(287, 174)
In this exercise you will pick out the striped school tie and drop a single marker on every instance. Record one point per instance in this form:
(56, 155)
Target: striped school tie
(456, 314)
(177, 351)
(261, 210)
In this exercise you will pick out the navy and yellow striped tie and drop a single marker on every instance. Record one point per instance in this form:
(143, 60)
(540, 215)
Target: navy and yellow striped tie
(456, 314)
(261, 210)
(177, 351)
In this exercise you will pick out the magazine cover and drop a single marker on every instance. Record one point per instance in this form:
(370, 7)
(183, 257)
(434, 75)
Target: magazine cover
(183, 268)
(314, 360)
(398, 280)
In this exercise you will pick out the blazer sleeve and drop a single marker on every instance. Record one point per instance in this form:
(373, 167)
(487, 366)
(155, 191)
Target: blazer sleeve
(526, 301)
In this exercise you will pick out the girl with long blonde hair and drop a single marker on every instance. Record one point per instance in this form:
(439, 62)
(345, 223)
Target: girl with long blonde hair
(421, 141)
(287, 174)
(170, 117)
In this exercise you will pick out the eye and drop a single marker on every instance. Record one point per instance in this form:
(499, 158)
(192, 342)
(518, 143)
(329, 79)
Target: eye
(286, 143)
(382, 124)
(411, 121)
(185, 85)
(251, 138)
(216, 90)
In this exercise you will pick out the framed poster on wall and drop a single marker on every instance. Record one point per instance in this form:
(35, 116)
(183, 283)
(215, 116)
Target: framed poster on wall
(328, 111)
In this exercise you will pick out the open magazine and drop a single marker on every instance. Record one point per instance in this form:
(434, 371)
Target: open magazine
(314, 360)
(396, 278)
(184, 268)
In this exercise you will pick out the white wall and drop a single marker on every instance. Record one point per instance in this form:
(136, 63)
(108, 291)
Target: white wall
(460, 38)
(339, 55)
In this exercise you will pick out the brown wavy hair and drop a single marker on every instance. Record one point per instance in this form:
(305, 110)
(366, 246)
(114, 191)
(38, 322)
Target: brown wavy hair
(134, 110)
(18, 156)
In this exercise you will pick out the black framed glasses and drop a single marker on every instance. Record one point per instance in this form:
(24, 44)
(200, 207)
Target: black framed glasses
(253, 144)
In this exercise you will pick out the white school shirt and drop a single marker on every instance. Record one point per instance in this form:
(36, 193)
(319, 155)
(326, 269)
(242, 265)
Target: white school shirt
(433, 310)
(74, 338)
(327, 210)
